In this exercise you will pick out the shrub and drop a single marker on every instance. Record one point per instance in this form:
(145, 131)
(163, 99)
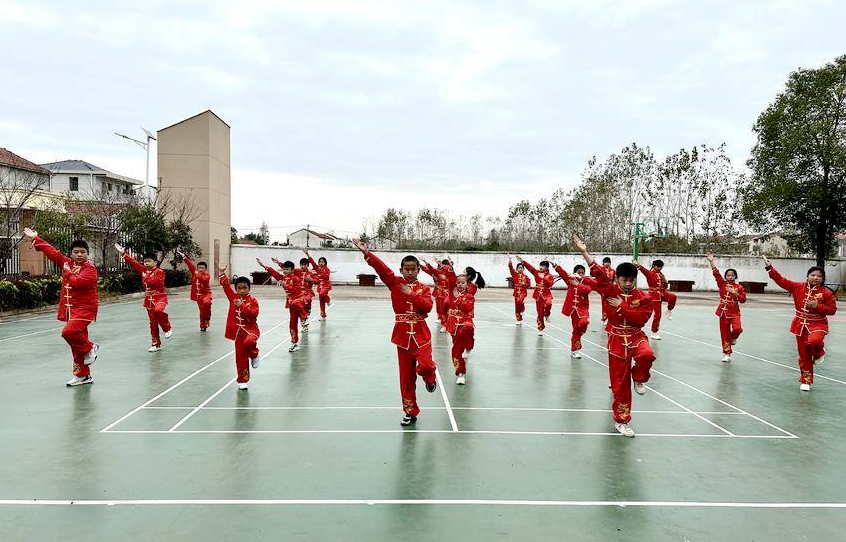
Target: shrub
(8, 295)
(30, 293)
(176, 277)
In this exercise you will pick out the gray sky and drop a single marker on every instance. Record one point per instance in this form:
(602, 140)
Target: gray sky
(341, 108)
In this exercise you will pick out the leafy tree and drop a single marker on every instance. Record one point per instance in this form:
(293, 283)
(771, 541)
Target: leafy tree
(233, 235)
(799, 161)
(145, 229)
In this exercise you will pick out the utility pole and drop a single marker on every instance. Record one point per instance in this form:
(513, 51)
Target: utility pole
(146, 147)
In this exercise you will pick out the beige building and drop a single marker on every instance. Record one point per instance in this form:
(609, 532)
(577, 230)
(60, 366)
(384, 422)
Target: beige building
(193, 168)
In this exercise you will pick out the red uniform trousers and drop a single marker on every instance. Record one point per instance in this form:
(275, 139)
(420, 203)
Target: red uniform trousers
(204, 303)
(520, 305)
(580, 325)
(463, 339)
(298, 313)
(413, 363)
(442, 309)
(246, 348)
(811, 346)
(622, 349)
(544, 307)
(730, 330)
(323, 297)
(158, 319)
(75, 333)
(670, 298)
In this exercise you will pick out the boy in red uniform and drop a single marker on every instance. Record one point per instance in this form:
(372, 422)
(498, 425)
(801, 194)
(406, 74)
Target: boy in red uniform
(412, 302)
(658, 288)
(460, 305)
(241, 326)
(577, 304)
(629, 310)
(78, 302)
(442, 275)
(200, 289)
(731, 295)
(814, 302)
(155, 295)
(611, 274)
(308, 288)
(321, 274)
(543, 295)
(521, 289)
(295, 299)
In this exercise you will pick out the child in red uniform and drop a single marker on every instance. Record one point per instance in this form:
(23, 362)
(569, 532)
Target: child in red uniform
(658, 288)
(78, 302)
(200, 289)
(611, 275)
(443, 286)
(241, 326)
(412, 302)
(292, 281)
(731, 295)
(460, 326)
(321, 274)
(521, 289)
(308, 288)
(629, 310)
(543, 295)
(155, 295)
(814, 302)
(577, 304)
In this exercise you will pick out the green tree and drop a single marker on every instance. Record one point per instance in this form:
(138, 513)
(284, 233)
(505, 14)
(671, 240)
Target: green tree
(233, 235)
(799, 161)
(145, 229)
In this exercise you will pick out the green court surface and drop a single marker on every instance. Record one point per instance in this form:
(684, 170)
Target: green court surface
(165, 447)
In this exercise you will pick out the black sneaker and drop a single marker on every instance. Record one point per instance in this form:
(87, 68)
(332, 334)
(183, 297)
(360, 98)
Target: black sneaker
(431, 387)
(407, 420)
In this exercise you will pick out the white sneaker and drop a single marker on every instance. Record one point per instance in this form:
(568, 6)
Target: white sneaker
(640, 388)
(242, 386)
(460, 380)
(656, 336)
(294, 347)
(321, 319)
(624, 429)
(727, 358)
(576, 354)
(540, 333)
(819, 361)
(91, 356)
(168, 334)
(467, 354)
(804, 387)
(669, 315)
(254, 362)
(154, 349)
(518, 323)
(79, 381)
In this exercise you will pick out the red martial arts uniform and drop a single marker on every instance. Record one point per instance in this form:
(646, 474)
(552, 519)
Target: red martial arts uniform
(241, 327)
(155, 297)
(626, 341)
(577, 305)
(295, 299)
(441, 276)
(810, 325)
(729, 311)
(78, 303)
(543, 294)
(658, 288)
(521, 289)
(460, 326)
(200, 292)
(308, 287)
(411, 334)
(322, 277)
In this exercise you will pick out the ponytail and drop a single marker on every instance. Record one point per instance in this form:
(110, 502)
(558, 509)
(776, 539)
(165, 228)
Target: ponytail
(475, 276)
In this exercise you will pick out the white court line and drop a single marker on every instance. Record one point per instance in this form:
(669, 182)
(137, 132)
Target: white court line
(184, 380)
(201, 405)
(503, 409)
(442, 431)
(765, 360)
(791, 435)
(724, 430)
(29, 334)
(446, 402)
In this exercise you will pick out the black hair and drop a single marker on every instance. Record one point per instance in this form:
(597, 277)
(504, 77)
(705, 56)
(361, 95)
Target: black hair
(151, 256)
(627, 270)
(288, 264)
(732, 270)
(304, 261)
(578, 266)
(545, 263)
(411, 258)
(473, 275)
(444, 262)
(816, 268)
(242, 280)
(202, 263)
(81, 244)
(322, 259)
(520, 264)
(658, 263)
(606, 260)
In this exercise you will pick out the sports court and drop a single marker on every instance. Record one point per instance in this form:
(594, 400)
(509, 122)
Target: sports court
(164, 446)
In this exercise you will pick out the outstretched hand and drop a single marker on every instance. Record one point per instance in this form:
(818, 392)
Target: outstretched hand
(709, 256)
(261, 263)
(579, 243)
(359, 244)
(30, 233)
(121, 250)
(222, 268)
(766, 260)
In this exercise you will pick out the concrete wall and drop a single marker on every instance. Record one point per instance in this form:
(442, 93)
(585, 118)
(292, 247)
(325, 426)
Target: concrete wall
(346, 264)
(193, 161)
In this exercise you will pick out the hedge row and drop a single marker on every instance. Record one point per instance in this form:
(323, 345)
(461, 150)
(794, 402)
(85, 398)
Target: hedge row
(40, 291)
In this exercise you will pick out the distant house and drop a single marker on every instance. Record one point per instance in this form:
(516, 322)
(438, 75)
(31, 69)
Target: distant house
(310, 238)
(86, 181)
(771, 243)
(381, 243)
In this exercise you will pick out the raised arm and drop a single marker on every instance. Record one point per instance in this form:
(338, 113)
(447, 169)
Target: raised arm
(530, 268)
(133, 263)
(273, 272)
(224, 281)
(582, 247)
(385, 274)
(191, 267)
(562, 273)
(652, 278)
(50, 251)
(788, 285)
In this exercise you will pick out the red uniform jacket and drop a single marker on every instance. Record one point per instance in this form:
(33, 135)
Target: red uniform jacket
(633, 312)
(656, 281)
(729, 306)
(78, 300)
(153, 281)
(292, 284)
(199, 281)
(461, 309)
(807, 318)
(543, 282)
(309, 282)
(442, 279)
(240, 319)
(577, 296)
(521, 282)
(410, 328)
(321, 276)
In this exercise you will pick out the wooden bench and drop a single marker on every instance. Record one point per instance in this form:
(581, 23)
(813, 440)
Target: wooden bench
(681, 285)
(753, 287)
(366, 279)
(261, 277)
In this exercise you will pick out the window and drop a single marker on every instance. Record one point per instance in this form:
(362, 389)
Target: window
(110, 187)
(74, 184)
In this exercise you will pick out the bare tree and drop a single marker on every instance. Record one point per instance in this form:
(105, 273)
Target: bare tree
(18, 187)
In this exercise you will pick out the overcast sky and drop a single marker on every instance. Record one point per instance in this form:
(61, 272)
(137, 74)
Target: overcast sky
(340, 109)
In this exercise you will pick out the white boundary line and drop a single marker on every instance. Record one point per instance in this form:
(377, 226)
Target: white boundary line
(442, 431)
(201, 405)
(503, 409)
(446, 402)
(29, 334)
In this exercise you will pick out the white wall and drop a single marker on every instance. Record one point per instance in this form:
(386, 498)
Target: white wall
(346, 264)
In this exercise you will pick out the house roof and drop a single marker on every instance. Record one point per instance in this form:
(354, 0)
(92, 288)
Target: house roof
(195, 116)
(12, 160)
(86, 168)
(314, 233)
